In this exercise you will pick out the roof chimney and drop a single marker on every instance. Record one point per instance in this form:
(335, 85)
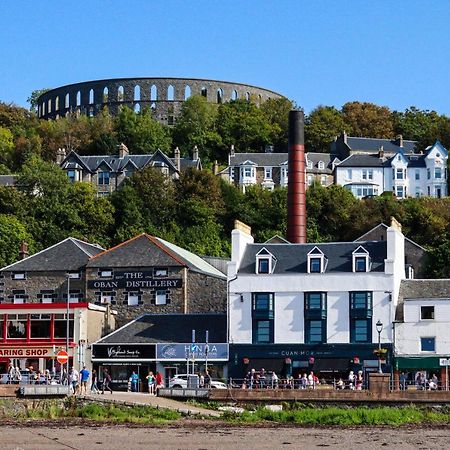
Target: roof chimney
(60, 155)
(195, 153)
(123, 150)
(296, 201)
(177, 158)
(399, 140)
(344, 137)
(215, 167)
(23, 250)
(381, 152)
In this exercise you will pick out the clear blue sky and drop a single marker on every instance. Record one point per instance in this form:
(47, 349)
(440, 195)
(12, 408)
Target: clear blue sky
(394, 53)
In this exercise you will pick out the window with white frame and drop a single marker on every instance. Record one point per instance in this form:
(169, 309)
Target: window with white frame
(105, 273)
(267, 173)
(400, 191)
(321, 165)
(18, 276)
(160, 272)
(316, 261)
(361, 260)
(161, 298)
(309, 180)
(309, 165)
(248, 172)
(74, 275)
(265, 262)
(107, 297)
(438, 173)
(133, 298)
(367, 174)
(47, 297)
(75, 296)
(323, 180)
(103, 178)
(19, 297)
(427, 313)
(417, 174)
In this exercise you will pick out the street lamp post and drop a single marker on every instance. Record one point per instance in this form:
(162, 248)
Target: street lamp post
(67, 315)
(379, 326)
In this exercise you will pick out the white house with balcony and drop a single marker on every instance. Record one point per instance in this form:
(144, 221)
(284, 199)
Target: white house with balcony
(300, 307)
(404, 174)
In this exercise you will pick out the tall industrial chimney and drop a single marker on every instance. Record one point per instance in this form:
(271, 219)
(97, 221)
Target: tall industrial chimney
(296, 200)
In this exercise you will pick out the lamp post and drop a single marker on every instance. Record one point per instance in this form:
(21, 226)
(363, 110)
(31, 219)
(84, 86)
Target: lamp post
(379, 326)
(67, 315)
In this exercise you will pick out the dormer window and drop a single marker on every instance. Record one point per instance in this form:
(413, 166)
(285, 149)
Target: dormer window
(265, 262)
(361, 260)
(316, 261)
(309, 165)
(321, 165)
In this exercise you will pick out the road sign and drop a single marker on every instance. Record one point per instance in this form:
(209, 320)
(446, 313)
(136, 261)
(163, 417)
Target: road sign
(62, 357)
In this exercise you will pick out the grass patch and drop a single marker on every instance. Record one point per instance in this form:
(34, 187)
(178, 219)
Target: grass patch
(330, 416)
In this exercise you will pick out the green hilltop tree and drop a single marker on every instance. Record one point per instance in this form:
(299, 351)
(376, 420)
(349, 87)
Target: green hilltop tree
(12, 233)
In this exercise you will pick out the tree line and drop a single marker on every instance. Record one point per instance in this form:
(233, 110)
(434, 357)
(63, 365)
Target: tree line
(197, 211)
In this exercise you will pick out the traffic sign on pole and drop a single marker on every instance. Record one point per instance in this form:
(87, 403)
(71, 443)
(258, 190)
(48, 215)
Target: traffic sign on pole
(62, 357)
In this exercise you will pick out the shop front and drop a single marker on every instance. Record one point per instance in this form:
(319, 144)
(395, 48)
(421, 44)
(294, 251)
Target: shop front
(328, 361)
(121, 360)
(417, 371)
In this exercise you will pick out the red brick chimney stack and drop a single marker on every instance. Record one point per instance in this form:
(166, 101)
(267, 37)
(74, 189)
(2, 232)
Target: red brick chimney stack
(296, 201)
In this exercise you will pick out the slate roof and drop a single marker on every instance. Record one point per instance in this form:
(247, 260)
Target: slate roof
(145, 250)
(116, 164)
(421, 289)
(69, 254)
(171, 328)
(293, 258)
(8, 180)
(372, 145)
(260, 159)
(315, 158)
(363, 161)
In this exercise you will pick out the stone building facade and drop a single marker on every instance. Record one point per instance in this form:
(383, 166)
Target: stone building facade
(165, 96)
(149, 275)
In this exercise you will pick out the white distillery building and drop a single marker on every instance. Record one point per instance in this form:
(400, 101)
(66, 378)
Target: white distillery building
(404, 174)
(300, 307)
(422, 328)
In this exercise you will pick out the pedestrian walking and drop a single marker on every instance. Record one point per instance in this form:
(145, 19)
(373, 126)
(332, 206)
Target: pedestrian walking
(94, 383)
(74, 378)
(84, 375)
(134, 381)
(106, 381)
(151, 383)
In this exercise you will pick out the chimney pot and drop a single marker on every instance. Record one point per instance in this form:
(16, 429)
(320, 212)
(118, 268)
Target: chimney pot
(123, 150)
(23, 250)
(195, 153)
(177, 158)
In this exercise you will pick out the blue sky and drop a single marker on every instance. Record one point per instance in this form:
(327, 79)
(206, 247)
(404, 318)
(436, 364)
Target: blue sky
(393, 53)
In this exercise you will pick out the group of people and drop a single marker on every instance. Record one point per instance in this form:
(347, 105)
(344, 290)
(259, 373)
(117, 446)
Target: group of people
(263, 380)
(354, 381)
(79, 381)
(32, 377)
(154, 381)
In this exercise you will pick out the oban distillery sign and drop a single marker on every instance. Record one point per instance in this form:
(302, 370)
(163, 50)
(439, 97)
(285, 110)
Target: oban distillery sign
(132, 280)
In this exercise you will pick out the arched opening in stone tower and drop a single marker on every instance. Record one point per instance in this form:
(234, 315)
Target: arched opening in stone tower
(170, 93)
(187, 92)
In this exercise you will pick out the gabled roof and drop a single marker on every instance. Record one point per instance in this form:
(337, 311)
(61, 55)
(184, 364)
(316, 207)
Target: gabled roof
(69, 254)
(259, 159)
(293, 258)
(170, 328)
(315, 158)
(437, 146)
(360, 249)
(159, 156)
(146, 251)
(277, 240)
(372, 145)
(357, 160)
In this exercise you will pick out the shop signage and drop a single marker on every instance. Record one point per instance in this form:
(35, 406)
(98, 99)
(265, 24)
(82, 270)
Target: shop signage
(198, 351)
(25, 352)
(135, 280)
(444, 362)
(123, 351)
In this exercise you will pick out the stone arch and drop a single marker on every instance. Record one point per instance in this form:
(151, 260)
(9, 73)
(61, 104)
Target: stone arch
(247, 96)
(105, 95)
(39, 111)
(78, 98)
(43, 108)
(120, 94)
(153, 106)
(153, 93)
(137, 93)
(170, 93)
(49, 105)
(204, 92)
(187, 92)
(91, 97)
(234, 94)
(137, 108)
(220, 95)
(57, 103)
(67, 101)
(91, 111)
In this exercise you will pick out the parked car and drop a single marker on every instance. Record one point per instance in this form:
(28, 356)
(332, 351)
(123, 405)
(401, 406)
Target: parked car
(179, 381)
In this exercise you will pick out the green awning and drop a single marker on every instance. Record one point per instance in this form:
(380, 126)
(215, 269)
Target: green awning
(431, 362)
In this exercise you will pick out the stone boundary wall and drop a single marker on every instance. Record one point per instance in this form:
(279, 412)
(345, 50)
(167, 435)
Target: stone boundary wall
(164, 96)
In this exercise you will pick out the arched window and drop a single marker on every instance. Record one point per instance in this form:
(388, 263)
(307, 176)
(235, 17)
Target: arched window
(137, 93)
(153, 106)
(105, 95)
(39, 111)
(204, 92)
(137, 108)
(153, 93)
(78, 98)
(49, 104)
(170, 93)
(187, 92)
(234, 94)
(120, 94)
(91, 97)
(67, 101)
(57, 103)
(219, 95)
(43, 109)
(247, 96)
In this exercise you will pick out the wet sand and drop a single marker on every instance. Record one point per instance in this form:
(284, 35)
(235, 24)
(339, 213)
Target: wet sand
(218, 437)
